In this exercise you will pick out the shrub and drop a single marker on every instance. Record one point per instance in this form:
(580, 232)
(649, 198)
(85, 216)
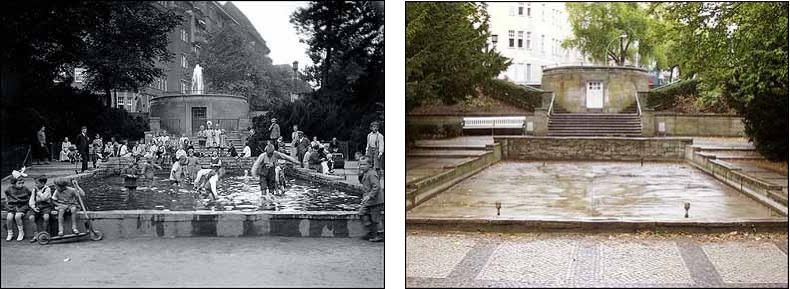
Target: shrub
(431, 131)
(765, 121)
(665, 97)
(512, 93)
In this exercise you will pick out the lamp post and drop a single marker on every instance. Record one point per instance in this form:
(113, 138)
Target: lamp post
(293, 87)
(621, 37)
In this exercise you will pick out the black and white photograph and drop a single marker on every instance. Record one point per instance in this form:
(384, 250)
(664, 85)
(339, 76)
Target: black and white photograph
(192, 144)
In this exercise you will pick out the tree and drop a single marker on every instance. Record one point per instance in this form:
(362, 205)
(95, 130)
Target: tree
(346, 45)
(740, 49)
(597, 30)
(447, 53)
(231, 64)
(124, 49)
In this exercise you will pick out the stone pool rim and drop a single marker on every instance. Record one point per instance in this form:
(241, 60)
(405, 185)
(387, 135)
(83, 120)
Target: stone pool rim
(608, 224)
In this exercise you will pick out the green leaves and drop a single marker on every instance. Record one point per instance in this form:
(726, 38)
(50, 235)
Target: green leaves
(447, 53)
(740, 49)
(597, 28)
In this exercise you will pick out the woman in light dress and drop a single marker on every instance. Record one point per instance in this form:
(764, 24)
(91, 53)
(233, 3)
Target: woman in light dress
(64, 150)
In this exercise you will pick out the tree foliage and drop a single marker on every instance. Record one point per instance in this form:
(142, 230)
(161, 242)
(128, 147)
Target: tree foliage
(124, 50)
(447, 53)
(597, 28)
(740, 49)
(346, 45)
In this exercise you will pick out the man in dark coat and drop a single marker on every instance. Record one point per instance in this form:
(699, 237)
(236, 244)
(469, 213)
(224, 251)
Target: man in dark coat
(83, 145)
(301, 147)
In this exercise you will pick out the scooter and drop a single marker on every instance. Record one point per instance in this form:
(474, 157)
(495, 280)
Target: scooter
(95, 235)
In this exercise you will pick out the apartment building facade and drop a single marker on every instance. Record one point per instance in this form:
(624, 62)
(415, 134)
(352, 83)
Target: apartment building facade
(530, 34)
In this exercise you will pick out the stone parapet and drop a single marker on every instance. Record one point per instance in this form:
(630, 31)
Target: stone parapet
(592, 148)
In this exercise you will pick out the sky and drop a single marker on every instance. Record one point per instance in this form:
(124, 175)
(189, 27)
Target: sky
(272, 20)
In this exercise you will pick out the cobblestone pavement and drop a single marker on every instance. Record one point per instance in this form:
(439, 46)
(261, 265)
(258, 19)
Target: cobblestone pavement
(646, 259)
(195, 262)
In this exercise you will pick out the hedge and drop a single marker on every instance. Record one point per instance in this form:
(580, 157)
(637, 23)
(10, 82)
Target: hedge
(664, 98)
(431, 131)
(513, 94)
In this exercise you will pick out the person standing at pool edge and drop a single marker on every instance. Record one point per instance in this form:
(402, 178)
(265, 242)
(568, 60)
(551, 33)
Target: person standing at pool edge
(372, 202)
(375, 146)
(83, 142)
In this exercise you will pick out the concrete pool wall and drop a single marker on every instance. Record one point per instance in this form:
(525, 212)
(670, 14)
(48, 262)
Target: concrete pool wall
(154, 223)
(160, 223)
(593, 148)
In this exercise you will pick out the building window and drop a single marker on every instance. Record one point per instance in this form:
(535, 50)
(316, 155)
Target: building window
(529, 72)
(520, 39)
(529, 44)
(543, 43)
(511, 38)
(184, 35)
(543, 13)
(183, 61)
(184, 86)
(520, 8)
(529, 10)
(79, 75)
(129, 97)
(164, 83)
(119, 99)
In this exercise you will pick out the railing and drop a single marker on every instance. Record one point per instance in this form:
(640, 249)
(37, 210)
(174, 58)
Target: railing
(638, 105)
(551, 105)
(226, 124)
(171, 125)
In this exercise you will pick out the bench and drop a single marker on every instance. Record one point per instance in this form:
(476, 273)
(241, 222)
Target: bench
(494, 122)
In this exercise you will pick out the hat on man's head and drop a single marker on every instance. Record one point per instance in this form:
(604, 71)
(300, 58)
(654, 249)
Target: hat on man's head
(274, 119)
(61, 182)
(376, 123)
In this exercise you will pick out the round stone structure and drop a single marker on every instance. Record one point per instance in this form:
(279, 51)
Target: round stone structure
(608, 89)
(184, 113)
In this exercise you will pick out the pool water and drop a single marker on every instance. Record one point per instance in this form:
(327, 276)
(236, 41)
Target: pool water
(242, 193)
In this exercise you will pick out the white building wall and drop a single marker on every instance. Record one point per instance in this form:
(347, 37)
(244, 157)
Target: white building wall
(541, 27)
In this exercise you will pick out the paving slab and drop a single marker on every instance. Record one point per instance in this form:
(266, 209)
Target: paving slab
(641, 260)
(756, 262)
(445, 254)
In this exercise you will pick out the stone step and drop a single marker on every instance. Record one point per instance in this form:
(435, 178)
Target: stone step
(446, 153)
(600, 128)
(593, 114)
(624, 125)
(550, 133)
(450, 147)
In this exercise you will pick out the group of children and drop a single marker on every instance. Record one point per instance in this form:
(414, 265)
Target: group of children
(39, 203)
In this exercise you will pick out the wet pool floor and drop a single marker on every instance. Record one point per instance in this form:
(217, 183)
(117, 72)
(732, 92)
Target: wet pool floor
(235, 192)
(579, 190)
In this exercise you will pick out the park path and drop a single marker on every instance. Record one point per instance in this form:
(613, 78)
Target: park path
(195, 262)
(470, 259)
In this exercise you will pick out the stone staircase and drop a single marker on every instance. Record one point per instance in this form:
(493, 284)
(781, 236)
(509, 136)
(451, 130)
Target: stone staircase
(563, 123)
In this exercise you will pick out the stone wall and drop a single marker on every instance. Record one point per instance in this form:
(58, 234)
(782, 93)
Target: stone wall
(593, 148)
(620, 85)
(701, 124)
(217, 106)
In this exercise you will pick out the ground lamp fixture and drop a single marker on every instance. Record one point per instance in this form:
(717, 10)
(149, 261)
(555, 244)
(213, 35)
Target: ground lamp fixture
(687, 205)
(498, 206)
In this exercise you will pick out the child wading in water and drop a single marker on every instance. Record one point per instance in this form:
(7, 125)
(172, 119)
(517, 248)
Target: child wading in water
(265, 168)
(41, 203)
(17, 198)
(65, 199)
